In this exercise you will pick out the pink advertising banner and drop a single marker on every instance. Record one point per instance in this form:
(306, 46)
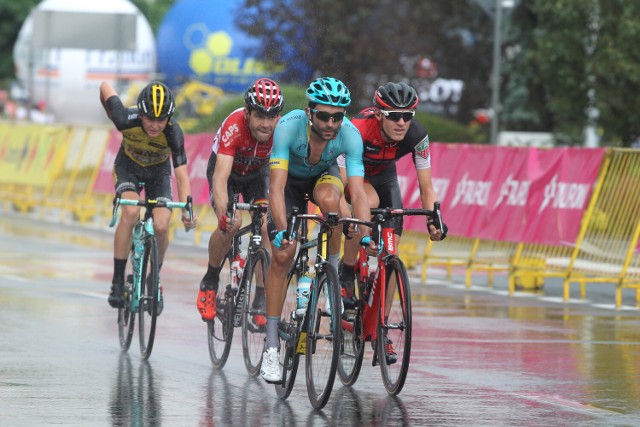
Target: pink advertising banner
(507, 193)
(198, 148)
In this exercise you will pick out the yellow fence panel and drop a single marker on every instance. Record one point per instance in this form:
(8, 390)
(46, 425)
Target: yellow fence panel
(607, 247)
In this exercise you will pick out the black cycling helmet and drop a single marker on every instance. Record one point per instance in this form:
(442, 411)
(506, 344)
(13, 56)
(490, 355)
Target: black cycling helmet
(395, 95)
(156, 101)
(265, 96)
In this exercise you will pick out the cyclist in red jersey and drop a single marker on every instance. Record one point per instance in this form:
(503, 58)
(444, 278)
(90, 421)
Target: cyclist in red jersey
(389, 132)
(239, 164)
(149, 138)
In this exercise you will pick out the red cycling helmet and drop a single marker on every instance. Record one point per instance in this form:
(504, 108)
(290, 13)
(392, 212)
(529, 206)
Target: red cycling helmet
(264, 96)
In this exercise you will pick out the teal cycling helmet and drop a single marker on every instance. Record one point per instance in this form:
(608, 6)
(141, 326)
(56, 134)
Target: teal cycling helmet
(329, 91)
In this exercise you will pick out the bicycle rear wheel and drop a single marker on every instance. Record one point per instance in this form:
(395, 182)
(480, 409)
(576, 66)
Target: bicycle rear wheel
(149, 294)
(395, 329)
(220, 329)
(289, 327)
(126, 319)
(323, 335)
(254, 310)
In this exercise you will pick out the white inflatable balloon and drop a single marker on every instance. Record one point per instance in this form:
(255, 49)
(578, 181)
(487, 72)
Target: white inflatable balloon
(66, 48)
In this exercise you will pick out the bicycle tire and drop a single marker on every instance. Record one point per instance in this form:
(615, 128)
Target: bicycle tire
(323, 335)
(397, 328)
(253, 335)
(149, 293)
(352, 348)
(290, 325)
(220, 329)
(126, 318)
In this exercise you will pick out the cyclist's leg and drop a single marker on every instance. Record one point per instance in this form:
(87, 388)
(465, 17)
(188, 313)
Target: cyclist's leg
(254, 189)
(157, 181)
(346, 269)
(277, 285)
(327, 193)
(126, 183)
(389, 191)
(158, 186)
(219, 244)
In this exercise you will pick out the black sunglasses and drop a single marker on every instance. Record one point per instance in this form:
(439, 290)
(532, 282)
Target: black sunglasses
(395, 116)
(325, 116)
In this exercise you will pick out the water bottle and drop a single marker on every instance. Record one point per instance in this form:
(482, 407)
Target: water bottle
(237, 268)
(302, 295)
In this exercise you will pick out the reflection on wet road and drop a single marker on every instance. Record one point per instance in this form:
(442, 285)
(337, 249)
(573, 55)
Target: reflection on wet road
(478, 358)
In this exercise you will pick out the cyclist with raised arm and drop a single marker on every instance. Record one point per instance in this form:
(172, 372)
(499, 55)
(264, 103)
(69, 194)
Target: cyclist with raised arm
(150, 137)
(389, 132)
(239, 164)
(306, 144)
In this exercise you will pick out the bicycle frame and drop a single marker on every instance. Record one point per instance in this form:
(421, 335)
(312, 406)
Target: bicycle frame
(256, 242)
(373, 285)
(142, 231)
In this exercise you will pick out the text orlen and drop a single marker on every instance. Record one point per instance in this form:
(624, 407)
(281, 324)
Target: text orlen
(564, 195)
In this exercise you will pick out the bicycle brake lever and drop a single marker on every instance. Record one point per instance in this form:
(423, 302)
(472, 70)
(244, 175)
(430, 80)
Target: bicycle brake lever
(189, 208)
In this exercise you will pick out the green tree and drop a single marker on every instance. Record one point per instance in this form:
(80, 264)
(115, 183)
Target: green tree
(366, 42)
(561, 52)
(12, 16)
(154, 10)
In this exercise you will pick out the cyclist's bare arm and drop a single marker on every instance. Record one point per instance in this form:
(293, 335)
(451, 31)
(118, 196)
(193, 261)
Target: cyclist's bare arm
(106, 92)
(220, 178)
(277, 182)
(428, 197)
(359, 203)
(184, 190)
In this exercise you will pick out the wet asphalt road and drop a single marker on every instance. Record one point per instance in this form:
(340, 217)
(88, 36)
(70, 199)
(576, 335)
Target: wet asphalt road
(480, 358)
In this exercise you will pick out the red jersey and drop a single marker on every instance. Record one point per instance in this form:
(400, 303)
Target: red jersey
(234, 139)
(379, 155)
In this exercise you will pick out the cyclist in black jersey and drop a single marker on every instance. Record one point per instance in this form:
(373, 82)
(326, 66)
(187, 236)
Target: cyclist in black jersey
(149, 138)
(389, 132)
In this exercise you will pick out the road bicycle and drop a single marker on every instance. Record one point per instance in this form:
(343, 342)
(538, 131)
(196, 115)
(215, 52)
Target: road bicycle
(242, 295)
(142, 292)
(382, 313)
(316, 333)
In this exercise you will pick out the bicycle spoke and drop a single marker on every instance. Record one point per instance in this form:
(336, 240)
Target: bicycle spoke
(323, 337)
(220, 329)
(147, 310)
(289, 328)
(254, 310)
(395, 330)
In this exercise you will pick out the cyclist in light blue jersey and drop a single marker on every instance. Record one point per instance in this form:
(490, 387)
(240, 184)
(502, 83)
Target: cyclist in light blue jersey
(306, 144)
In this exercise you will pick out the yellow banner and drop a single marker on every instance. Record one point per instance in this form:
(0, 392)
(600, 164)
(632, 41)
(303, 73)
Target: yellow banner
(31, 154)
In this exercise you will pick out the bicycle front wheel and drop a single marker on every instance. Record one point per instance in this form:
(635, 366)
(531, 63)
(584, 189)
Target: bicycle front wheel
(352, 349)
(394, 330)
(220, 329)
(126, 318)
(323, 335)
(149, 295)
(254, 315)
(289, 330)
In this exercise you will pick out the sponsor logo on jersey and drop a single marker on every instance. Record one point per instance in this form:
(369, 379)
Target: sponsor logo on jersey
(233, 129)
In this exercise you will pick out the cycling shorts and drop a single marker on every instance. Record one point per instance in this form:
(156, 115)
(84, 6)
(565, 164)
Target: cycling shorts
(296, 189)
(128, 175)
(252, 187)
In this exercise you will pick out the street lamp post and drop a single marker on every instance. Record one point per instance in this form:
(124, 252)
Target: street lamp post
(495, 75)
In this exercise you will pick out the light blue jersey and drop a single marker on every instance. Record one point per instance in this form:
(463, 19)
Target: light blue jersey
(291, 148)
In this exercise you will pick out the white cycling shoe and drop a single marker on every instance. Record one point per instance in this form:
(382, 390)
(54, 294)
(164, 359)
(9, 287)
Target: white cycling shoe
(270, 368)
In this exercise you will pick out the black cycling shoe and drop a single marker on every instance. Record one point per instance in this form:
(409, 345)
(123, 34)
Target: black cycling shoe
(347, 276)
(116, 297)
